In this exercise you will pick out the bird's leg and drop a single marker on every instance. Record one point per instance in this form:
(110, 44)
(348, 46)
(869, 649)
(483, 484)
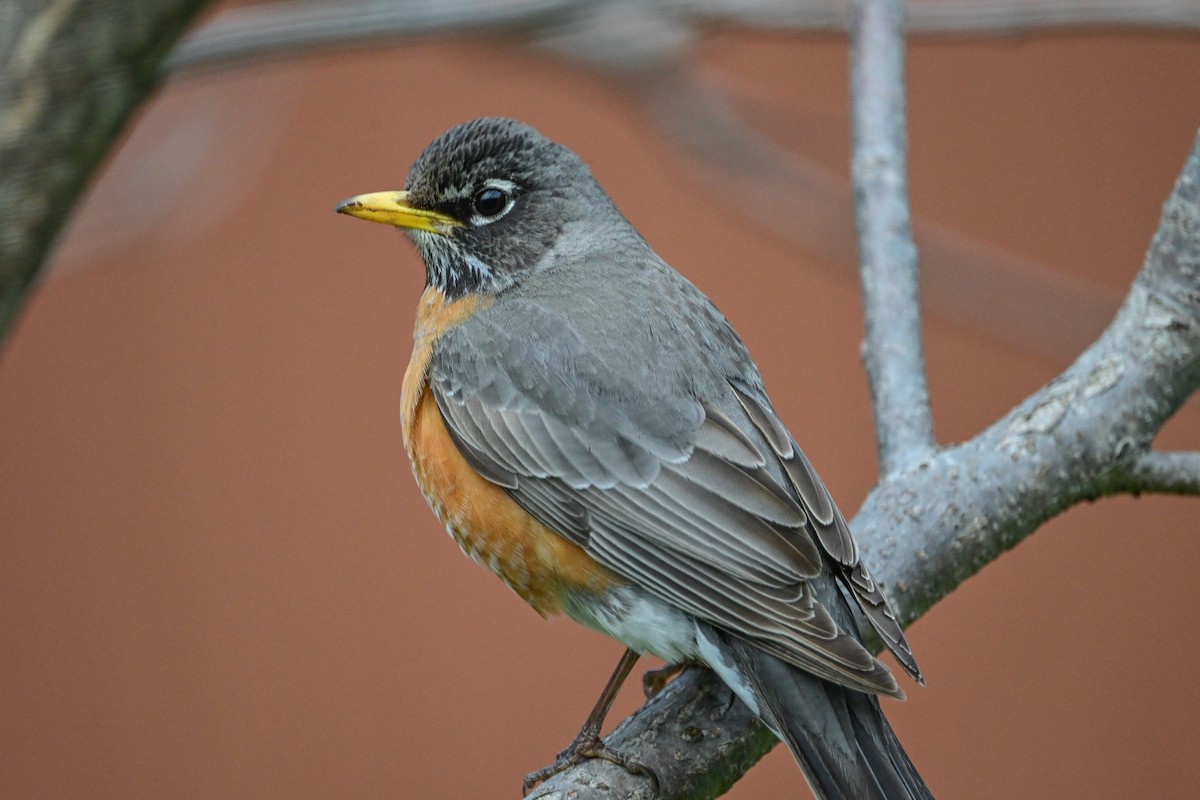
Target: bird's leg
(588, 743)
(655, 680)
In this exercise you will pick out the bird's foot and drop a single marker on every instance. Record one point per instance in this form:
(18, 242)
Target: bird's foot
(588, 744)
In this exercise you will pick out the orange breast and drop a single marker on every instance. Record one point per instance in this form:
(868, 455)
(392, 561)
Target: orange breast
(489, 526)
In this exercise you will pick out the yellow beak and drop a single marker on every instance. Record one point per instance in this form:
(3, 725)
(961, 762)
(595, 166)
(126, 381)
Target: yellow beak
(393, 208)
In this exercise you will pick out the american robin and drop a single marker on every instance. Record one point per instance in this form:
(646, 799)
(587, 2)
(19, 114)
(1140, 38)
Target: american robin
(588, 426)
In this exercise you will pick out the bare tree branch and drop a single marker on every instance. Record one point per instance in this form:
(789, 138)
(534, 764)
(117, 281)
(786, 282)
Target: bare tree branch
(1066, 443)
(993, 17)
(932, 525)
(1163, 473)
(292, 28)
(966, 17)
(892, 351)
(72, 71)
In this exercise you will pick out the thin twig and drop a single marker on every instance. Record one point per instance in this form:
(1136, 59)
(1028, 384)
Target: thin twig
(1163, 473)
(892, 351)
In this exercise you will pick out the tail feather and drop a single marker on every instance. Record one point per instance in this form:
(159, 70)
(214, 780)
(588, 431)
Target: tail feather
(839, 736)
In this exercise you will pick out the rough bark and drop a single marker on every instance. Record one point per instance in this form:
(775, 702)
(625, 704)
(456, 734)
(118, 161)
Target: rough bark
(71, 73)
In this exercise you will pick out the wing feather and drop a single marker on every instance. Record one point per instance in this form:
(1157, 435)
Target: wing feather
(725, 519)
(721, 436)
(686, 533)
(832, 531)
(799, 631)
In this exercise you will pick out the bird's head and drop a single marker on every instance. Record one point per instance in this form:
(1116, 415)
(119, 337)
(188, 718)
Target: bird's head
(486, 203)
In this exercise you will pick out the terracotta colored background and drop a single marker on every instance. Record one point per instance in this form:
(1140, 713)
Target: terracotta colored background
(218, 580)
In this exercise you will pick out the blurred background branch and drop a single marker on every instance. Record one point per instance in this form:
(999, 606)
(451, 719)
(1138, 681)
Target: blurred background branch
(287, 28)
(71, 73)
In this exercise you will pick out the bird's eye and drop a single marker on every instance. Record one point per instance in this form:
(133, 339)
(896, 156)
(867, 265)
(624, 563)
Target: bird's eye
(490, 202)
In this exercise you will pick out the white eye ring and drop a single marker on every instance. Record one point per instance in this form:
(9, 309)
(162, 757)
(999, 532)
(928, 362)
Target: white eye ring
(492, 201)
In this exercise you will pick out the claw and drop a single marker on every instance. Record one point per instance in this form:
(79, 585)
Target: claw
(589, 745)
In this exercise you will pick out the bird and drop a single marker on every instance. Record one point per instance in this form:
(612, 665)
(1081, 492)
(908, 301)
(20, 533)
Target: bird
(588, 426)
